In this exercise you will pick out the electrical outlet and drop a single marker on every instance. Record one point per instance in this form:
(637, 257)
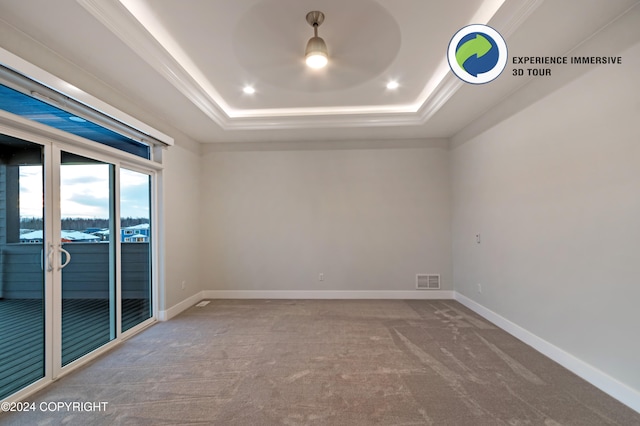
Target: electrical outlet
(321, 277)
(479, 288)
(478, 238)
(183, 284)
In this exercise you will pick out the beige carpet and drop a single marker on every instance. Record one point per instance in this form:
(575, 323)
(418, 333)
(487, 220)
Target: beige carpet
(283, 362)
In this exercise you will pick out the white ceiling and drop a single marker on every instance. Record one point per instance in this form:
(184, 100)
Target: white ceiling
(186, 62)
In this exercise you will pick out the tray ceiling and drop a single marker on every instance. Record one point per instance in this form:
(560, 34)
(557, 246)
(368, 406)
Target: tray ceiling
(188, 62)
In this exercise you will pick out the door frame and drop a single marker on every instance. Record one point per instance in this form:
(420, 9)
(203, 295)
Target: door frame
(57, 277)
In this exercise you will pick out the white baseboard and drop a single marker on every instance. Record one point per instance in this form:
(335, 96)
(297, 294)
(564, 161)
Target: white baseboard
(602, 381)
(301, 294)
(180, 307)
(327, 294)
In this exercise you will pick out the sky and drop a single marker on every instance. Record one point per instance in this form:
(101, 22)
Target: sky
(84, 192)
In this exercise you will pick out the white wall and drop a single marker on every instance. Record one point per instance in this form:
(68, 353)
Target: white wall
(181, 258)
(368, 219)
(555, 192)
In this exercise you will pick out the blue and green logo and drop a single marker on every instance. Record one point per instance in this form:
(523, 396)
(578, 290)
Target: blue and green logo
(477, 54)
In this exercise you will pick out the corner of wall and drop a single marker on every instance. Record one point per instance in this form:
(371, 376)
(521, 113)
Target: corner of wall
(591, 374)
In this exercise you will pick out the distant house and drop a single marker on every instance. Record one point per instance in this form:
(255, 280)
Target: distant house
(77, 236)
(135, 234)
(31, 237)
(136, 238)
(65, 237)
(92, 230)
(130, 234)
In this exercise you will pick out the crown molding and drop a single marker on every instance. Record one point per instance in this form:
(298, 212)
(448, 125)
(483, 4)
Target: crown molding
(512, 15)
(113, 15)
(332, 145)
(121, 22)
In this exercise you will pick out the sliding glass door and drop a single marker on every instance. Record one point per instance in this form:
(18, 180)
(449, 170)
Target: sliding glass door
(135, 230)
(22, 265)
(87, 255)
(75, 257)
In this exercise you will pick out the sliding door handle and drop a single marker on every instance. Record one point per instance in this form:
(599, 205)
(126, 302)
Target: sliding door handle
(67, 254)
(50, 258)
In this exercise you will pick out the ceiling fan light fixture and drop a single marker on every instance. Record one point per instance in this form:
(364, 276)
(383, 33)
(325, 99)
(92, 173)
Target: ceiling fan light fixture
(316, 54)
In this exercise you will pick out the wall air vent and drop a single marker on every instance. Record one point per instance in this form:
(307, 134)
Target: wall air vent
(428, 282)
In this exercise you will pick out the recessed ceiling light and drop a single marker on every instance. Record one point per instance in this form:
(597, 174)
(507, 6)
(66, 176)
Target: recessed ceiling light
(249, 90)
(392, 85)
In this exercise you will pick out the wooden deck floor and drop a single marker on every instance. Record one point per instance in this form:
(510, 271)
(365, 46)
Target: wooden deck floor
(85, 326)
(21, 344)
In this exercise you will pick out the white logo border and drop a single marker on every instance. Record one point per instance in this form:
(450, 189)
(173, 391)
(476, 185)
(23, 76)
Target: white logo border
(485, 77)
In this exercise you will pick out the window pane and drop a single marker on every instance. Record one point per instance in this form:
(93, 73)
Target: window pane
(88, 279)
(135, 216)
(21, 272)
